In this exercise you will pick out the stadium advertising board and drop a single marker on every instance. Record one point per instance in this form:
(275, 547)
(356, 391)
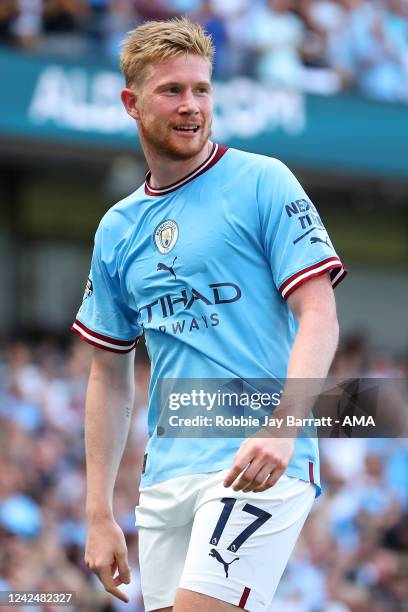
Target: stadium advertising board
(68, 102)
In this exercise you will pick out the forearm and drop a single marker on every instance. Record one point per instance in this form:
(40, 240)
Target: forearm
(309, 363)
(314, 346)
(108, 410)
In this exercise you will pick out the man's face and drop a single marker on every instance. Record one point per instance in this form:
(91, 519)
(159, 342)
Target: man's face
(174, 106)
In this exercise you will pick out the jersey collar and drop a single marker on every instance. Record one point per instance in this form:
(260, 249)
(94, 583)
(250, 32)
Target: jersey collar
(217, 152)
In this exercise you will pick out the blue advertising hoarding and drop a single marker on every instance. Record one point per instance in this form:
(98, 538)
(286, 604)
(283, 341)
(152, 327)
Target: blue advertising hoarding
(65, 102)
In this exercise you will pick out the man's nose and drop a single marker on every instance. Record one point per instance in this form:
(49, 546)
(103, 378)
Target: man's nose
(189, 103)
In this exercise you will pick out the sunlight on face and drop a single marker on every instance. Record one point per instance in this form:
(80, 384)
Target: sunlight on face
(175, 107)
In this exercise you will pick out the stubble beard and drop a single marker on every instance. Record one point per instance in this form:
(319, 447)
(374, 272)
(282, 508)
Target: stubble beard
(165, 146)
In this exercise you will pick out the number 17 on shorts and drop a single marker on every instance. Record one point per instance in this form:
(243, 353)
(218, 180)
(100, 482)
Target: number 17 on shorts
(240, 546)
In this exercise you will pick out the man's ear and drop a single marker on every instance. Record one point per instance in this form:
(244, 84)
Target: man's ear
(129, 100)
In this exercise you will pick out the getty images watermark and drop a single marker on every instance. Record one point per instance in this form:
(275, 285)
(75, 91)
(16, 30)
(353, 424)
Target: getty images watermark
(221, 400)
(324, 408)
(208, 400)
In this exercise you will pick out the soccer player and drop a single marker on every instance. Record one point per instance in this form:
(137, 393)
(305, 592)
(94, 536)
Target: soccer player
(222, 262)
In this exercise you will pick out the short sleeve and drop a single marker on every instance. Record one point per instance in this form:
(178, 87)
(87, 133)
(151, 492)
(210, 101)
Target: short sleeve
(295, 240)
(104, 318)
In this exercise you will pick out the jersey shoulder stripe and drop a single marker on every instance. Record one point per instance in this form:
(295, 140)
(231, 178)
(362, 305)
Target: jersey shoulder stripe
(332, 264)
(101, 341)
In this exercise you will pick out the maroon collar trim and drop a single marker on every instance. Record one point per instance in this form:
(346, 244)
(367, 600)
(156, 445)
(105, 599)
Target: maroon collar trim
(217, 152)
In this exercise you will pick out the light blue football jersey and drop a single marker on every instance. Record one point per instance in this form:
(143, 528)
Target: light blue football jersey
(203, 268)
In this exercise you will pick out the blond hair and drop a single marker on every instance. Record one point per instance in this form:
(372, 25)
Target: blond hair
(159, 40)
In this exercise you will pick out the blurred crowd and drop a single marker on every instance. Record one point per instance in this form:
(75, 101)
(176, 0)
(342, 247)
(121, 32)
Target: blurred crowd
(323, 46)
(353, 552)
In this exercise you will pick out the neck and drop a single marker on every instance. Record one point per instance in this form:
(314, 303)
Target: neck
(166, 171)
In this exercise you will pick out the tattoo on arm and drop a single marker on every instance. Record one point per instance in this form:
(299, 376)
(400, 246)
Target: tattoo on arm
(128, 411)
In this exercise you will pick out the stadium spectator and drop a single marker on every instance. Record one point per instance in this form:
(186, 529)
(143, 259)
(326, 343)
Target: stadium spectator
(320, 18)
(235, 15)
(98, 22)
(396, 31)
(121, 17)
(9, 11)
(321, 46)
(63, 26)
(274, 35)
(353, 550)
(367, 54)
(154, 9)
(214, 25)
(27, 26)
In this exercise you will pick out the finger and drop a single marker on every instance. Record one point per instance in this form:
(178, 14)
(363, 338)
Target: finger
(110, 584)
(117, 593)
(233, 474)
(241, 461)
(123, 567)
(116, 578)
(259, 479)
(247, 476)
(272, 480)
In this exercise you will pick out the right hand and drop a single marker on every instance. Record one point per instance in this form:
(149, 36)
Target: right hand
(106, 553)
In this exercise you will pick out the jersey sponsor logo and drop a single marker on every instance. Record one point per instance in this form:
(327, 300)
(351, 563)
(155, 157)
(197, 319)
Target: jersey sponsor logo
(162, 310)
(163, 266)
(218, 293)
(308, 217)
(165, 236)
(196, 323)
(214, 553)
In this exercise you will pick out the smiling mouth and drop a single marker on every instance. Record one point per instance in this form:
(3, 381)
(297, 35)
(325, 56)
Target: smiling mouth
(187, 128)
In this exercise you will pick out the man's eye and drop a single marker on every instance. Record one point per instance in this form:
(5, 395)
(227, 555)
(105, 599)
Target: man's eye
(172, 89)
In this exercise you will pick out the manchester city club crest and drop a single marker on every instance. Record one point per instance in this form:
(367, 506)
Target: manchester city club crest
(165, 236)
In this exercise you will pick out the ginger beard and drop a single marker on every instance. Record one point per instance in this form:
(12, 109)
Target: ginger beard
(162, 138)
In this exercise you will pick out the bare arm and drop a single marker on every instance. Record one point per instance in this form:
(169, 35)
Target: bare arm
(314, 307)
(109, 406)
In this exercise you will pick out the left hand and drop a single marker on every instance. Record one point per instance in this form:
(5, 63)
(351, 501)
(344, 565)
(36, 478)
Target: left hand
(264, 460)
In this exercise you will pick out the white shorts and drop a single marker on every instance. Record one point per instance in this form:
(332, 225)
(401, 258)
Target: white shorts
(197, 535)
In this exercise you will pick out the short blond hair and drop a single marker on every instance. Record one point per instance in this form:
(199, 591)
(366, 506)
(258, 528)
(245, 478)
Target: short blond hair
(154, 41)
